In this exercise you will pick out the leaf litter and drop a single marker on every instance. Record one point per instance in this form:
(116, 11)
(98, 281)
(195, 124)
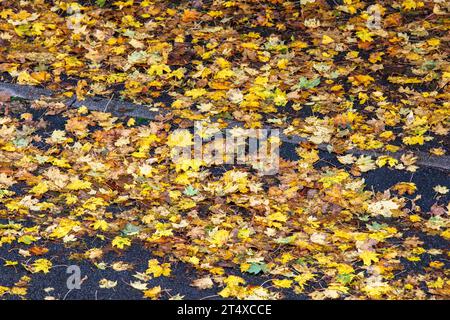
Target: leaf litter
(332, 74)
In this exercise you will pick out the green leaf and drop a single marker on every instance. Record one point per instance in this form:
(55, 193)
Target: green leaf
(307, 84)
(100, 3)
(21, 142)
(138, 57)
(190, 191)
(27, 239)
(313, 83)
(302, 83)
(256, 268)
(334, 74)
(130, 229)
(364, 218)
(376, 226)
(345, 278)
(429, 65)
(286, 240)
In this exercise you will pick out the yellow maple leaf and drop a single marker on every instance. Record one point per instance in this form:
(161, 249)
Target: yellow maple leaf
(437, 151)
(158, 69)
(376, 289)
(3, 290)
(282, 63)
(411, 4)
(415, 218)
(326, 39)
(152, 293)
(405, 187)
(188, 165)
(250, 45)
(233, 287)
(361, 79)
(78, 184)
(157, 269)
(9, 263)
(336, 178)
(218, 237)
(180, 138)
(436, 264)
(368, 257)
(37, 28)
(100, 224)
(383, 160)
(285, 283)
(392, 148)
(414, 140)
(71, 199)
(195, 93)
(438, 284)
(25, 78)
(121, 242)
(364, 35)
(433, 42)
(40, 188)
(131, 122)
(19, 291)
(224, 74)
(279, 98)
(178, 73)
(64, 227)
(446, 234)
(42, 265)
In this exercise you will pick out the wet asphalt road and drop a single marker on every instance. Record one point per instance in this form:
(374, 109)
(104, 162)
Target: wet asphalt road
(54, 284)
(182, 275)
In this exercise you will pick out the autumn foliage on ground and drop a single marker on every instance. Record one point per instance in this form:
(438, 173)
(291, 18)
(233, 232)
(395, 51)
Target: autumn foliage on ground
(345, 75)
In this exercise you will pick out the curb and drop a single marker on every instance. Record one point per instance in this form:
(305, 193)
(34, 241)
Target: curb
(123, 108)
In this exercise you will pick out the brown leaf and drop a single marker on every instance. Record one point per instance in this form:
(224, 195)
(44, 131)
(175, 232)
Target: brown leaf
(203, 283)
(38, 251)
(181, 54)
(5, 96)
